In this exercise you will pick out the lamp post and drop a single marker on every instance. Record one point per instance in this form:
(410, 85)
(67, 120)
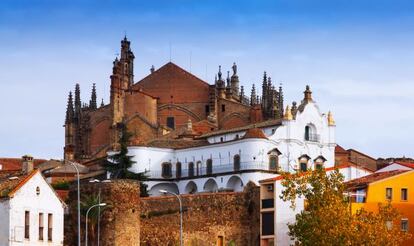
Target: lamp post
(86, 224)
(181, 212)
(77, 174)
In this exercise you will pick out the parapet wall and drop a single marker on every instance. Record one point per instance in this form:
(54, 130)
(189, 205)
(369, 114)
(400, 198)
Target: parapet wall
(233, 216)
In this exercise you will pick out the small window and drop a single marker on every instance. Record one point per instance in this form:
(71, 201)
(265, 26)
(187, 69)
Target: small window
(303, 166)
(404, 224)
(273, 131)
(307, 133)
(207, 109)
(170, 122)
(49, 227)
(223, 108)
(236, 162)
(191, 169)
(166, 170)
(198, 168)
(209, 167)
(41, 226)
(37, 190)
(388, 193)
(178, 170)
(221, 139)
(404, 194)
(27, 224)
(273, 162)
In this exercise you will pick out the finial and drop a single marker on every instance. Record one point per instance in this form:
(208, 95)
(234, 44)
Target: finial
(288, 114)
(234, 67)
(228, 79)
(331, 121)
(219, 72)
(152, 69)
(308, 94)
(102, 103)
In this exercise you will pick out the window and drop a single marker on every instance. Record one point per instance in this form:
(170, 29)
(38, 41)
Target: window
(198, 168)
(303, 166)
(223, 108)
(268, 224)
(41, 226)
(319, 161)
(404, 224)
(388, 193)
(166, 170)
(207, 109)
(273, 162)
(170, 122)
(236, 162)
(303, 162)
(27, 224)
(221, 139)
(209, 167)
(49, 226)
(310, 133)
(307, 133)
(37, 190)
(191, 169)
(178, 170)
(404, 194)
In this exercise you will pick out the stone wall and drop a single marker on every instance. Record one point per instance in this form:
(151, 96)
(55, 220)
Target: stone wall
(231, 215)
(120, 219)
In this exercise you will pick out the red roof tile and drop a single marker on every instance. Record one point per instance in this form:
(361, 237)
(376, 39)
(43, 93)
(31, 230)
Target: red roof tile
(254, 133)
(364, 181)
(15, 164)
(406, 164)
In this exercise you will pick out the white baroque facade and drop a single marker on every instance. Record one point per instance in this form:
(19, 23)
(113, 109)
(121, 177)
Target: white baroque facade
(31, 213)
(229, 159)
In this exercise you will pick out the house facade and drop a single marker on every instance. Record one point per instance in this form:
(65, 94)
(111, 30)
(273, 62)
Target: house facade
(31, 212)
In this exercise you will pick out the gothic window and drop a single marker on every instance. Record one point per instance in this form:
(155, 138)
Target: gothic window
(209, 166)
(178, 170)
(170, 122)
(166, 170)
(191, 169)
(236, 162)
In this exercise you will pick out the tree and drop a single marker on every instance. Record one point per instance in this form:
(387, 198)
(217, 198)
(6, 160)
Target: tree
(119, 163)
(327, 218)
(88, 201)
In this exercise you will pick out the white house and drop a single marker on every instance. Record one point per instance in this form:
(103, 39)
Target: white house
(228, 159)
(275, 214)
(31, 212)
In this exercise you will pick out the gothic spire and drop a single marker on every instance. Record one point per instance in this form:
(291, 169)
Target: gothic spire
(92, 103)
(228, 79)
(69, 109)
(102, 103)
(253, 98)
(308, 94)
(219, 73)
(280, 100)
(78, 103)
(264, 90)
(242, 94)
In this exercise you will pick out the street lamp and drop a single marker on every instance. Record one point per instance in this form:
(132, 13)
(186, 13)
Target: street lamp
(86, 225)
(181, 212)
(77, 174)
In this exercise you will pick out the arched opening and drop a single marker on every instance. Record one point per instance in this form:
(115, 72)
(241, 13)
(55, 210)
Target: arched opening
(235, 183)
(211, 186)
(166, 170)
(190, 188)
(311, 134)
(198, 168)
(209, 166)
(178, 170)
(155, 190)
(236, 162)
(191, 169)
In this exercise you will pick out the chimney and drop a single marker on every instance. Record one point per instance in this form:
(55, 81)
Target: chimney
(27, 166)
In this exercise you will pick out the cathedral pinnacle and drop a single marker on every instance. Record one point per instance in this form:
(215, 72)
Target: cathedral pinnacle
(228, 79)
(78, 103)
(288, 114)
(69, 109)
(92, 104)
(219, 73)
(102, 103)
(253, 97)
(308, 94)
(331, 121)
(234, 67)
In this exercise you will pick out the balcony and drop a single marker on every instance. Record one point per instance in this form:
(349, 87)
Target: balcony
(312, 137)
(202, 170)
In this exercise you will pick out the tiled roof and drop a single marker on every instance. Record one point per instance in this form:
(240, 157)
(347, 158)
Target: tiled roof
(10, 182)
(348, 164)
(15, 164)
(263, 124)
(406, 164)
(68, 168)
(176, 143)
(254, 133)
(339, 149)
(364, 181)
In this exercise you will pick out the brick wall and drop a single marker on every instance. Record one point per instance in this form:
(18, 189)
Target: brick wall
(232, 215)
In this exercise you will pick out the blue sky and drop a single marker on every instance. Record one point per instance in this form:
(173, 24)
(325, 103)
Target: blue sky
(357, 56)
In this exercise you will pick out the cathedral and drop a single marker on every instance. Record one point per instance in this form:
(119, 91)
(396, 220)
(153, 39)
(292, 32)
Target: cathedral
(161, 105)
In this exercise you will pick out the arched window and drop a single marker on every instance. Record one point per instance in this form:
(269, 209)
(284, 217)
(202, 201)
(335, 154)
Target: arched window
(236, 162)
(191, 169)
(273, 162)
(209, 166)
(198, 168)
(310, 133)
(178, 170)
(166, 170)
(307, 133)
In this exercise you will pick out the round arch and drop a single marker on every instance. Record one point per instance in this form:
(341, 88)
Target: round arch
(190, 188)
(155, 190)
(235, 183)
(211, 186)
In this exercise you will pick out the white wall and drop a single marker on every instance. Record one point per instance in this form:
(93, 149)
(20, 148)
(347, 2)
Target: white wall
(392, 167)
(26, 199)
(4, 222)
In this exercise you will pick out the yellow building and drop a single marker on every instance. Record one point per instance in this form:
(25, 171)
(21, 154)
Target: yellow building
(395, 186)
